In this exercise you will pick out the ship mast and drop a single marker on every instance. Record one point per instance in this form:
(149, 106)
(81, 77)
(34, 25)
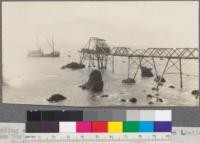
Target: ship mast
(37, 43)
(53, 44)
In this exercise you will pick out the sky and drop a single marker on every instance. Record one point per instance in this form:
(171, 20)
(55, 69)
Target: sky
(133, 24)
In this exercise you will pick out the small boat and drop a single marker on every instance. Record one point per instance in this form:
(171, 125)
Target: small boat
(40, 53)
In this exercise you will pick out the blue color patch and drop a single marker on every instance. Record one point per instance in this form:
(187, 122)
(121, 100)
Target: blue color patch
(146, 126)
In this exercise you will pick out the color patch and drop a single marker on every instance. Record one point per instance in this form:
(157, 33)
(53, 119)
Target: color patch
(49, 127)
(146, 126)
(132, 115)
(104, 115)
(67, 127)
(131, 126)
(147, 115)
(115, 127)
(34, 116)
(62, 115)
(163, 115)
(100, 126)
(162, 126)
(118, 115)
(49, 115)
(83, 127)
(33, 127)
(90, 115)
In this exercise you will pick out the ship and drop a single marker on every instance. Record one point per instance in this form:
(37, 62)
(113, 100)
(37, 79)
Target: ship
(40, 53)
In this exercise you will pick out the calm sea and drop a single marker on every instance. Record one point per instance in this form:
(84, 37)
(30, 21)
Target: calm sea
(33, 80)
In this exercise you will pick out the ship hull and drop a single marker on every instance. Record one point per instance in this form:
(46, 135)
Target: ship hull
(45, 55)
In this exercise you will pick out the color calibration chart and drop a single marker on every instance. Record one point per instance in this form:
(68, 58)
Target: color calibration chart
(105, 126)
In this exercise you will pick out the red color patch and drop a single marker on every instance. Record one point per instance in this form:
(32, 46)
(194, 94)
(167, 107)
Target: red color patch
(100, 126)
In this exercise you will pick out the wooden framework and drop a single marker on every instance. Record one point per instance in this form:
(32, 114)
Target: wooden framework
(96, 49)
(100, 51)
(183, 53)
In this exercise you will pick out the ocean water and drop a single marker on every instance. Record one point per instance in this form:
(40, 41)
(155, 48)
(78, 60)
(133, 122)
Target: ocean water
(33, 80)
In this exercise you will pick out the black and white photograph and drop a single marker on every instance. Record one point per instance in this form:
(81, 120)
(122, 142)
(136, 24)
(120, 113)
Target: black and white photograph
(101, 53)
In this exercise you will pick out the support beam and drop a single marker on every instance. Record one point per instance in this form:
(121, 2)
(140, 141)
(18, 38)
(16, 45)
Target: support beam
(140, 61)
(98, 62)
(139, 66)
(113, 63)
(181, 77)
(174, 65)
(154, 65)
(163, 73)
(128, 67)
(106, 60)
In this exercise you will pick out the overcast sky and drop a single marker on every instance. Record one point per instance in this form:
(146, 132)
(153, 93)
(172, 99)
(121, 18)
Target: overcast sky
(148, 24)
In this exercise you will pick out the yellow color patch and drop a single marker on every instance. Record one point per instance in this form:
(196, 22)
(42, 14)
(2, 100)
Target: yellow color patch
(115, 127)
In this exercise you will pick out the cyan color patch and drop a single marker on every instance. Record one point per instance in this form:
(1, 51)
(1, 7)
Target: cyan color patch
(146, 126)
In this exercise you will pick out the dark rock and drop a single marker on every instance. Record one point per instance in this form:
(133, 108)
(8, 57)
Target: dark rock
(146, 72)
(128, 80)
(123, 100)
(160, 84)
(157, 94)
(195, 92)
(56, 98)
(104, 95)
(95, 82)
(83, 86)
(158, 78)
(154, 88)
(149, 96)
(171, 86)
(159, 100)
(150, 103)
(73, 65)
(133, 100)
(121, 92)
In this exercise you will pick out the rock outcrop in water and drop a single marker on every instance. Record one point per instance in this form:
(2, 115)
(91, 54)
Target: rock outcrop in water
(123, 100)
(128, 80)
(195, 92)
(133, 100)
(150, 103)
(171, 86)
(104, 95)
(73, 65)
(149, 96)
(56, 98)
(95, 82)
(159, 100)
(146, 72)
(158, 78)
(154, 88)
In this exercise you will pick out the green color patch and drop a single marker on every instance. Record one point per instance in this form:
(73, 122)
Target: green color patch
(130, 126)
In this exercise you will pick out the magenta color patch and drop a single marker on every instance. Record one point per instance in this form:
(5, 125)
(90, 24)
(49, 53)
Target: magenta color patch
(83, 127)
